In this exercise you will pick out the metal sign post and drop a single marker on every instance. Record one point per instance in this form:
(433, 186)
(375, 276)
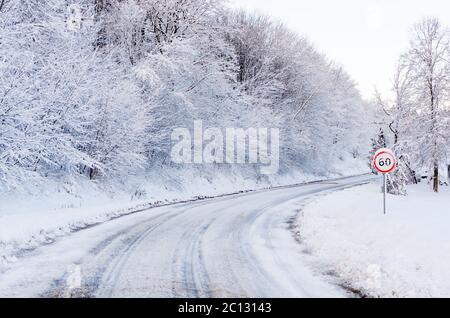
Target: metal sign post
(384, 192)
(384, 162)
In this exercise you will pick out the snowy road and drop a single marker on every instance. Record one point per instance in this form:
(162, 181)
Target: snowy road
(236, 246)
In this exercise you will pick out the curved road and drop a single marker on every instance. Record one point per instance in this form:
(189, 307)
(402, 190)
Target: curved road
(235, 246)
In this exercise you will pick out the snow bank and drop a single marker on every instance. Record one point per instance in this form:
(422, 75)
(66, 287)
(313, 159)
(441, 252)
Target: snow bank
(403, 254)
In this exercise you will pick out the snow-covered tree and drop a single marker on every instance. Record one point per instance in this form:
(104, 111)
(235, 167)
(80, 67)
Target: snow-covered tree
(58, 93)
(428, 65)
(397, 121)
(95, 88)
(418, 115)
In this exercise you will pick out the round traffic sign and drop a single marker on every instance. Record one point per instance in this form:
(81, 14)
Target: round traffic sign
(384, 161)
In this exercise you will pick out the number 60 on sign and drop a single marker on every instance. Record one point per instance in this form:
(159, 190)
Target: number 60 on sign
(384, 161)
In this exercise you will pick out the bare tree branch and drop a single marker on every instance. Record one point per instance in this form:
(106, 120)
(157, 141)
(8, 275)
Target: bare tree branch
(2, 4)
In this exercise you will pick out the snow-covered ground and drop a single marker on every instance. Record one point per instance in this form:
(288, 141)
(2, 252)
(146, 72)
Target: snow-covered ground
(405, 253)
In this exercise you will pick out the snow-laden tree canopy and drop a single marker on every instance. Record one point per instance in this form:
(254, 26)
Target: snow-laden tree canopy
(94, 88)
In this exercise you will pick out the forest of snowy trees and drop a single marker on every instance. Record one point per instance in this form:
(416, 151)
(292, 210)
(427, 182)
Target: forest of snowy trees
(93, 88)
(417, 120)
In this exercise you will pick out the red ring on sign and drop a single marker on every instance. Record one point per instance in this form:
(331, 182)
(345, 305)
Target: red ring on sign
(382, 153)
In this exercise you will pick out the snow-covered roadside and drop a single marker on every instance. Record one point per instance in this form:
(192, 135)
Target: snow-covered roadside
(403, 254)
(28, 221)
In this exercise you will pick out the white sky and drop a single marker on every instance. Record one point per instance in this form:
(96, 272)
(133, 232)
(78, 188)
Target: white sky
(365, 36)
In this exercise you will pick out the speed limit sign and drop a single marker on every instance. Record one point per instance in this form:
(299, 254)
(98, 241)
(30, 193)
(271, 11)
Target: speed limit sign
(385, 162)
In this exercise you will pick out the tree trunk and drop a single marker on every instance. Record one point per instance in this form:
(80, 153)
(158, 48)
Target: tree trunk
(436, 178)
(93, 172)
